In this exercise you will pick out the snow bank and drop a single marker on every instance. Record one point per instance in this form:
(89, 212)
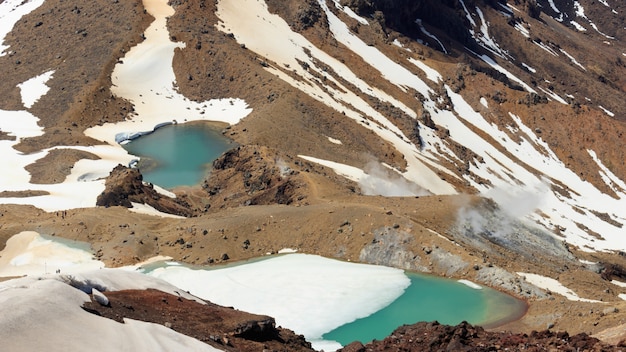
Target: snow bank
(42, 310)
(470, 284)
(148, 210)
(50, 318)
(29, 253)
(554, 286)
(34, 88)
(374, 180)
(309, 294)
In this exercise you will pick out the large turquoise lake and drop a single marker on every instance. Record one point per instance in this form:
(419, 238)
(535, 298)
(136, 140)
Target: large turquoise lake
(430, 298)
(323, 298)
(178, 155)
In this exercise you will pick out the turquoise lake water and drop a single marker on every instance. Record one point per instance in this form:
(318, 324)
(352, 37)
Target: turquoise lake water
(178, 155)
(430, 298)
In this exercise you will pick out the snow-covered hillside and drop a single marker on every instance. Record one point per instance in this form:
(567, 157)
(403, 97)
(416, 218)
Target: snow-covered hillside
(517, 102)
(512, 164)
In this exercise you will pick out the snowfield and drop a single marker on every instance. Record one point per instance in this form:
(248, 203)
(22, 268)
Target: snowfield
(309, 294)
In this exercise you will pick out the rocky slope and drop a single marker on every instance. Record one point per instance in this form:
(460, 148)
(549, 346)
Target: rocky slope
(225, 328)
(465, 337)
(500, 126)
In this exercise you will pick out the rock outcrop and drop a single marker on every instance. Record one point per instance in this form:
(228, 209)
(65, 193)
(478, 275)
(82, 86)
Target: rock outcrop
(225, 328)
(465, 337)
(125, 186)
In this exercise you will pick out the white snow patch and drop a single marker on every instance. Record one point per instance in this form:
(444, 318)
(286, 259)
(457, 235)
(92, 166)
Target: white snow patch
(468, 15)
(309, 294)
(334, 141)
(63, 303)
(573, 60)
(146, 209)
(28, 253)
(348, 11)
(501, 69)
(374, 180)
(146, 78)
(530, 69)
(578, 26)
(587, 262)
(430, 35)
(622, 296)
(553, 96)
(470, 284)
(287, 250)
(34, 88)
(546, 48)
(286, 46)
(553, 6)
(516, 175)
(162, 191)
(485, 40)
(615, 183)
(606, 111)
(350, 172)
(580, 12)
(431, 73)
(484, 102)
(618, 283)
(554, 286)
(520, 28)
(579, 9)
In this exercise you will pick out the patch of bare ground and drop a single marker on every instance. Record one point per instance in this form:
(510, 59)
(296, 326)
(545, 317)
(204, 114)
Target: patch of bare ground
(225, 328)
(23, 194)
(56, 165)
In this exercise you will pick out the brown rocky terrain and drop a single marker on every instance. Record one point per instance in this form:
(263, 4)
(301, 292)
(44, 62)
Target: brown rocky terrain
(465, 337)
(225, 328)
(261, 197)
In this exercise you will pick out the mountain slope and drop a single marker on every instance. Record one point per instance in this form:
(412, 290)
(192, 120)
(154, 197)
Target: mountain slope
(489, 131)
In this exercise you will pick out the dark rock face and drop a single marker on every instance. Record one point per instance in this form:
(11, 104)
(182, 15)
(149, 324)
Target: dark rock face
(248, 175)
(125, 186)
(400, 15)
(465, 337)
(300, 15)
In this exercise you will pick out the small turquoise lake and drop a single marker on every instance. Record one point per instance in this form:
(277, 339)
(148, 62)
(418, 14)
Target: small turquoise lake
(180, 154)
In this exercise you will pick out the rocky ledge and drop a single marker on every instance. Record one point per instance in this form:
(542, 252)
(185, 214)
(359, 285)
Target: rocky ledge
(125, 186)
(225, 328)
(465, 337)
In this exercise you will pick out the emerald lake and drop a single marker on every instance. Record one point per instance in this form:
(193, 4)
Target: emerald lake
(431, 298)
(179, 154)
(333, 303)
